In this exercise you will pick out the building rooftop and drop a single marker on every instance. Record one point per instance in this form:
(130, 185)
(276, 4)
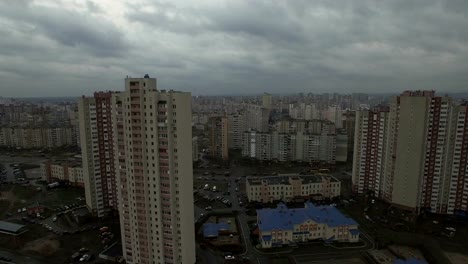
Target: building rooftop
(81, 211)
(212, 229)
(282, 218)
(11, 228)
(284, 179)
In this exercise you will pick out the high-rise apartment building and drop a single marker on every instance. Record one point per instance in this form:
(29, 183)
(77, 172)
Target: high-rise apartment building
(414, 153)
(295, 146)
(458, 183)
(349, 126)
(97, 150)
(236, 125)
(153, 159)
(256, 118)
(219, 137)
(335, 115)
(266, 101)
(370, 149)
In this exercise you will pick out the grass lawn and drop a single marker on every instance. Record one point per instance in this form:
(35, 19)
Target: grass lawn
(23, 192)
(69, 194)
(62, 196)
(4, 207)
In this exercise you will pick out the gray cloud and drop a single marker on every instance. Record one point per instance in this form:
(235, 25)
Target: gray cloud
(94, 36)
(235, 47)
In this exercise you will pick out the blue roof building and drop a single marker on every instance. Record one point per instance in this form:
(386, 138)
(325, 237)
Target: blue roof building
(212, 230)
(281, 225)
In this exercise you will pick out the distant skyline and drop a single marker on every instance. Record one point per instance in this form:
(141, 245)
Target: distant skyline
(240, 47)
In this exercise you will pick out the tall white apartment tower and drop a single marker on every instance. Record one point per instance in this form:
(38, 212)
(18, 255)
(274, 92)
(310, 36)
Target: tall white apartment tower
(415, 154)
(153, 146)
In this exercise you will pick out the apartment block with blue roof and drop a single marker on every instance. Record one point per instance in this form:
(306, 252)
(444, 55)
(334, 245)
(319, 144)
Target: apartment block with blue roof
(283, 226)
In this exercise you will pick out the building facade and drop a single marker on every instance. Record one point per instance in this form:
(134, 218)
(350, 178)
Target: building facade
(289, 146)
(97, 149)
(219, 137)
(267, 101)
(69, 172)
(283, 226)
(256, 117)
(236, 125)
(289, 186)
(195, 149)
(335, 115)
(153, 160)
(412, 154)
(37, 137)
(370, 151)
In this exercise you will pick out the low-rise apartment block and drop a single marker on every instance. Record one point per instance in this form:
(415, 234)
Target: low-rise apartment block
(71, 172)
(289, 186)
(282, 226)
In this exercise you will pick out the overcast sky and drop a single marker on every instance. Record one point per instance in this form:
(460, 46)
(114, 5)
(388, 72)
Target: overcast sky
(75, 47)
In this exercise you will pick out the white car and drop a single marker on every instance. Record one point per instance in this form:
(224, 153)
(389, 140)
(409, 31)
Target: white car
(229, 257)
(84, 258)
(451, 229)
(24, 209)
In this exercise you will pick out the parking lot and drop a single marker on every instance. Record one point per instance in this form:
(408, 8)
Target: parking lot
(57, 236)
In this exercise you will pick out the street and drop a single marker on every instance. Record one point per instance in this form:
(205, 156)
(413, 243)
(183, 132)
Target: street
(314, 251)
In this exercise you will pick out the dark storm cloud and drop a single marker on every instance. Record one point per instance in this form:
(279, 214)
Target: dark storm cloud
(96, 36)
(238, 46)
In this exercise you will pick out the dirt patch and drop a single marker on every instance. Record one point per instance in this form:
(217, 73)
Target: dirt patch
(7, 197)
(43, 246)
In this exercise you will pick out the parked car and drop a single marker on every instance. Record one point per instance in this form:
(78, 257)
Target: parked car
(83, 250)
(229, 256)
(85, 258)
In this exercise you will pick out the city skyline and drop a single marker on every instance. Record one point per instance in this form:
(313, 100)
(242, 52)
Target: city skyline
(233, 47)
